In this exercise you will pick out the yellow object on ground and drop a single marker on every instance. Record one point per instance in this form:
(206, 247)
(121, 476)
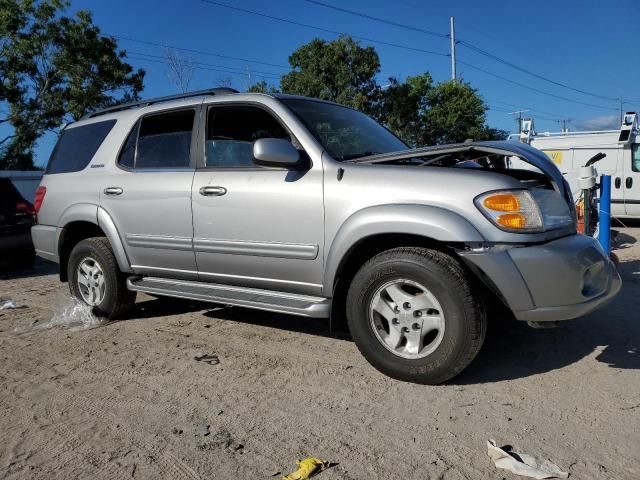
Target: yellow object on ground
(308, 467)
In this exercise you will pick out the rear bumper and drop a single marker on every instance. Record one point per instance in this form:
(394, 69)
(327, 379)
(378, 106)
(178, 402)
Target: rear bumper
(558, 280)
(45, 239)
(15, 237)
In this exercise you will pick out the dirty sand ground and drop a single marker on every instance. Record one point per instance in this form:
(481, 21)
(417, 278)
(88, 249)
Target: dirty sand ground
(128, 400)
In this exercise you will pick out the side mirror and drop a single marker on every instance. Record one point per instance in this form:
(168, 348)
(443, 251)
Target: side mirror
(275, 152)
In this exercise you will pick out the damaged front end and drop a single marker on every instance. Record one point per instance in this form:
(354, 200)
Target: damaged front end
(535, 262)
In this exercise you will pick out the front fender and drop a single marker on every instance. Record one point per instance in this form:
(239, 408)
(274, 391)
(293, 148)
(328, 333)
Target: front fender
(427, 221)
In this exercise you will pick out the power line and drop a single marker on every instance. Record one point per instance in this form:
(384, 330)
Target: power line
(535, 89)
(321, 29)
(529, 72)
(377, 19)
(201, 52)
(197, 67)
(556, 115)
(238, 69)
(504, 110)
(461, 42)
(292, 22)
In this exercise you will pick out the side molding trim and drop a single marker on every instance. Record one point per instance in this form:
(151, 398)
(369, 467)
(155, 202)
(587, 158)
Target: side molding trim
(259, 249)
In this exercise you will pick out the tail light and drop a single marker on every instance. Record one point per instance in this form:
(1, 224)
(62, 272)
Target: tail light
(37, 202)
(25, 207)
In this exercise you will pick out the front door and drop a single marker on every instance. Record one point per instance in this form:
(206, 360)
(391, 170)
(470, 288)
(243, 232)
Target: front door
(148, 194)
(631, 180)
(255, 226)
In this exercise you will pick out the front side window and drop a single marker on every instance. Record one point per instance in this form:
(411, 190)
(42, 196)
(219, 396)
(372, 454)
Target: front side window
(344, 132)
(231, 131)
(635, 158)
(160, 141)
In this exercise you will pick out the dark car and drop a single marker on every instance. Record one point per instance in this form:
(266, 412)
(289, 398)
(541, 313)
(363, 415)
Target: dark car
(17, 216)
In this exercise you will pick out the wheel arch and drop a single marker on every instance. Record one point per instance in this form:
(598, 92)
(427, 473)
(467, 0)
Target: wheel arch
(85, 221)
(376, 229)
(401, 223)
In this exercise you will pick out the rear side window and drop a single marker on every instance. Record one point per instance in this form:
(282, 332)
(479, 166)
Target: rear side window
(77, 146)
(163, 141)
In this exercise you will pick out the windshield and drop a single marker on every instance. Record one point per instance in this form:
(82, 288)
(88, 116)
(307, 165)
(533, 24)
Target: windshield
(345, 133)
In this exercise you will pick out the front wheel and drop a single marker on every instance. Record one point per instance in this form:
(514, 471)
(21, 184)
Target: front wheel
(413, 315)
(94, 278)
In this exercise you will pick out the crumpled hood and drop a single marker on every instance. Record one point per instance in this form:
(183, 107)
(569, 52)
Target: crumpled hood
(531, 155)
(527, 153)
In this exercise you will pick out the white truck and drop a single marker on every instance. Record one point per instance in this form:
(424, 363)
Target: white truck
(572, 150)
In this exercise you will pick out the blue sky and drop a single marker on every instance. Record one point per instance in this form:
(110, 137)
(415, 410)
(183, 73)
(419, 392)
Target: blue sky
(589, 45)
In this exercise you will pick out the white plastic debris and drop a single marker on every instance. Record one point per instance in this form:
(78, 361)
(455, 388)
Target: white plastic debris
(75, 315)
(523, 464)
(8, 304)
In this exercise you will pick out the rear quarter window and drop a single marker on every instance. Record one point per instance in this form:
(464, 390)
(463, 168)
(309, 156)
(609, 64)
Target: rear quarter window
(77, 146)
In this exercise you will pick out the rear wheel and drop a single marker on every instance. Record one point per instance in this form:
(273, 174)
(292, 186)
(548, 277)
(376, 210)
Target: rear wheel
(94, 278)
(413, 315)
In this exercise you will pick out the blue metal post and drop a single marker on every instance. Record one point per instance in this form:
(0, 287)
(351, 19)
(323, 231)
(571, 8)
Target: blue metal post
(604, 211)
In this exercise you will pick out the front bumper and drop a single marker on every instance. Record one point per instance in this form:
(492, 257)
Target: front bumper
(558, 280)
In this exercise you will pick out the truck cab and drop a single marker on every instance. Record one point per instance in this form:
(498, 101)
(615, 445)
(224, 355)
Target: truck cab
(571, 150)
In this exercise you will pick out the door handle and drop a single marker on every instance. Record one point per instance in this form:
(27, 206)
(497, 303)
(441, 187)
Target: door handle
(617, 182)
(212, 191)
(113, 191)
(628, 182)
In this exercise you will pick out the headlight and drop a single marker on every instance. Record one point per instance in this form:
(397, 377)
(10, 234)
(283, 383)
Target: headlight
(534, 210)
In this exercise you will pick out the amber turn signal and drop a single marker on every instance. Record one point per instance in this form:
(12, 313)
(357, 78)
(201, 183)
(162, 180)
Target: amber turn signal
(512, 220)
(502, 202)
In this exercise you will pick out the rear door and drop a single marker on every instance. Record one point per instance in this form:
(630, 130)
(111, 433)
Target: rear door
(631, 180)
(148, 195)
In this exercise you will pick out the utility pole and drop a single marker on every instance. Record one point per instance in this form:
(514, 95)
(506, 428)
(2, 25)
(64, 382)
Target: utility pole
(519, 118)
(621, 112)
(453, 50)
(563, 123)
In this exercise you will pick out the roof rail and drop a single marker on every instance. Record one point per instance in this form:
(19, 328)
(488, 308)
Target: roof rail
(168, 98)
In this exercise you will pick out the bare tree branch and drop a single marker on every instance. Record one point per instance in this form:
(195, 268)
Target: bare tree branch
(181, 69)
(224, 82)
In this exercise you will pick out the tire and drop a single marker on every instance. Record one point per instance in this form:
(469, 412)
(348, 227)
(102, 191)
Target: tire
(111, 298)
(444, 306)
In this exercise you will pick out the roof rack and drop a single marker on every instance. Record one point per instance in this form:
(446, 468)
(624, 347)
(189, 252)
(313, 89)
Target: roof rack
(168, 98)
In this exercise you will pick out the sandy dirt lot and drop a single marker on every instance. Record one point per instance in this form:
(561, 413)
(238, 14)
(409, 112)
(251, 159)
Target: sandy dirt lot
(127, 399)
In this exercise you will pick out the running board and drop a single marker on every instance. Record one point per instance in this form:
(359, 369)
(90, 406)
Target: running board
(293, 304)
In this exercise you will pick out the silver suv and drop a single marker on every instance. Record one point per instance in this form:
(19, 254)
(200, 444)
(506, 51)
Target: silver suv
(305, 207)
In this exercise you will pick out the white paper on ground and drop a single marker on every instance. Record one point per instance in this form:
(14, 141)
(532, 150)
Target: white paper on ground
(528, 467)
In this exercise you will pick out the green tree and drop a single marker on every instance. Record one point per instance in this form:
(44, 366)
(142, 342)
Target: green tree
(262, 87)
(341, 71)
(417, 110)
(456, 112)
(402, 106)
(422, 113)
(53, 69)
